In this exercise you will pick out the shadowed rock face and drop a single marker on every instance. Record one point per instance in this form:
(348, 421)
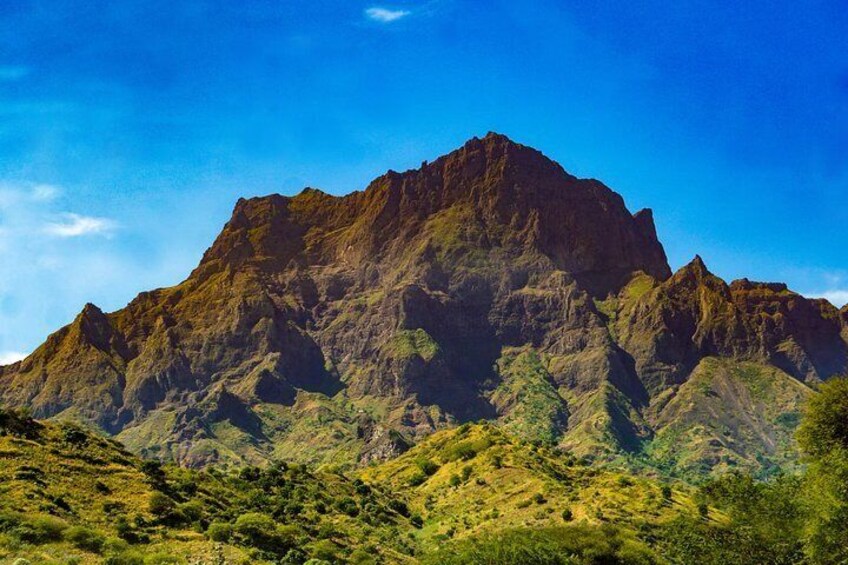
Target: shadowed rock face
(487, 284)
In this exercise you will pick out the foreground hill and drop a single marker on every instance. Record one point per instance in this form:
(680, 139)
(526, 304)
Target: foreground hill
(489, 284)
(476, 479)
(68, 496)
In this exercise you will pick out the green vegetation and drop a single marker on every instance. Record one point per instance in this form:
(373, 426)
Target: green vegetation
(409, 343)
(717, 421)
(570, 545)
(527, 398)
(69, 496)
(471, 494)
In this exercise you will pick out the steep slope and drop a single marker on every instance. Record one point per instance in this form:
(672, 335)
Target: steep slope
(487, 284)
(475, 479)
(71, 497)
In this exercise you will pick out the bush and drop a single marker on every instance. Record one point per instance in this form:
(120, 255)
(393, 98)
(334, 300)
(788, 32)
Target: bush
(257, 530)
(455, 481)
(464, 450)
(192, 510)
(361, 557)
(128, 533)
(348, 506)
(400, 507)
(427, 466)
(564, 545)
(9, 520)
(567, 515)
(419, 478)
(219, 531)
(127, 557)
(294, 556)
(497, 461)
(466, 472)
(160, 505)
(85, 538)
(325, 550)
(153, 470)
(40, 529)
(74, 435)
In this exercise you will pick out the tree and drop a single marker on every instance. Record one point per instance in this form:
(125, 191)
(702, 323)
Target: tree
(161, 505)
(824, 427)
(256, 529)
(823, 435)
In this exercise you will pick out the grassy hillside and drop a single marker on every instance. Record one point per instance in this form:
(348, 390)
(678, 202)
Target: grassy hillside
(67, 496)
(729, 415)
(467, 495)
(476, 479)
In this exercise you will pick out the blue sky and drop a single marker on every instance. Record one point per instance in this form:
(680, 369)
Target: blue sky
(128, 130)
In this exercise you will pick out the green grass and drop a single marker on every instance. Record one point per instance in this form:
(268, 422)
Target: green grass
(409, 343)
(527, 399)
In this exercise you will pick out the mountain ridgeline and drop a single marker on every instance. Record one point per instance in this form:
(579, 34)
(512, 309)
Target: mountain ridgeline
(488, 284)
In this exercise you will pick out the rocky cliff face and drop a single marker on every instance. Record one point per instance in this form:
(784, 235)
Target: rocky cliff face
(487, 284)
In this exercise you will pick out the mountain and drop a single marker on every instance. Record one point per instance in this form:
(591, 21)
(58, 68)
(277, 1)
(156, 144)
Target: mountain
(488, 284)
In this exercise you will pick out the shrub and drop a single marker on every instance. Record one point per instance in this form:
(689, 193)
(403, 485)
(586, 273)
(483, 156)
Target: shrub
(127, 557)
(399, 506)
(325, 550)
(567, 515)
(192, 510)
(464, 450)
(74, 435)
(625, 482)
(127, 532)
(564, 545)
(666, 492)
(256, 529)
(219, 531)
(85, 538)
(466, 472)
(455, 481)
(416, 520)
(40, 529)
(361, 557)
(418, 478)
(153, 470)
(9, 520)
(427, 466)
(160, 505)
(294, 556)
(348, 506)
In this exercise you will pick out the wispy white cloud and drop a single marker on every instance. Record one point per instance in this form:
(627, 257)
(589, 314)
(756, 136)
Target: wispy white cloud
(10, 73)
(9, 357)
(75, 225)
(837, 297)
(45, 192)
(385, 15)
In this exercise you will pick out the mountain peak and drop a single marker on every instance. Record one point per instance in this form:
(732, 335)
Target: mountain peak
(697, 265)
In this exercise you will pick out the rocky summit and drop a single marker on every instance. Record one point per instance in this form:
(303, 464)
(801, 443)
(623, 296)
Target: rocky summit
(488, 284)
